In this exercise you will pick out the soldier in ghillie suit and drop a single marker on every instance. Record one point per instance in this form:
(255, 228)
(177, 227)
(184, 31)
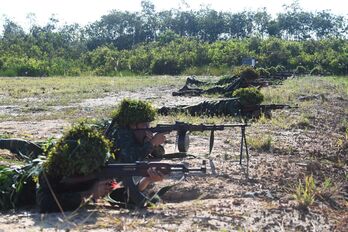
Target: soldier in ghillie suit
(131, 145)
(227, 107)
(78, 155)
(80, 152)
(233, 106)
(244, 102)
(245, 77)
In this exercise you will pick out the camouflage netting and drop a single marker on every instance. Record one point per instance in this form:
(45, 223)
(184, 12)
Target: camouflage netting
(133, 111)
(81, 151)
(248, 96)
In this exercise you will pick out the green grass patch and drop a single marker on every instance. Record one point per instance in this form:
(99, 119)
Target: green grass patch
(260, 143)
(64, 90)
(305, 192)
(291, 89)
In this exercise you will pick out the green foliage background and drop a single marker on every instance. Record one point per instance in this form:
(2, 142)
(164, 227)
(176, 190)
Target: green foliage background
(176, 41)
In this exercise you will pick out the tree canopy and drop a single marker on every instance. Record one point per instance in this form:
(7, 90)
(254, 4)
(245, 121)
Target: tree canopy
(172, 41)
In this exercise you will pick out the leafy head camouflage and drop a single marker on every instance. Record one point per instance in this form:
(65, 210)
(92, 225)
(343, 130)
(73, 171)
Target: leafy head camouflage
(248, 96)
(82, 150)
(133, 111)
(246, 73)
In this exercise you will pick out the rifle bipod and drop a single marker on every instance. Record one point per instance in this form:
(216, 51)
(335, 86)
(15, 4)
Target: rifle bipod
(243, 143)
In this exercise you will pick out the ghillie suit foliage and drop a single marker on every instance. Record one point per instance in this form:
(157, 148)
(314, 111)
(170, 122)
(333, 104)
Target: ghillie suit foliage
(248, 96)
(247, 73)
(18, 185)
(81, 151)
(133, 111)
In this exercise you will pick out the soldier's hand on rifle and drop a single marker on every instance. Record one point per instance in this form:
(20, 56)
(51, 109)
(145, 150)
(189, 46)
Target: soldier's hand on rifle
(158, 139)
(154, 176)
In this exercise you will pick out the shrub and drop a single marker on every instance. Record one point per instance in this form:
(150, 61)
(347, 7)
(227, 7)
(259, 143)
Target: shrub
(8, 73)
(162, 66)
(82, 150)
(32, 68)
(248, 96)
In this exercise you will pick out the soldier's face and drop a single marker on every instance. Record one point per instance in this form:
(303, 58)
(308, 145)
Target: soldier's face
(142, 135)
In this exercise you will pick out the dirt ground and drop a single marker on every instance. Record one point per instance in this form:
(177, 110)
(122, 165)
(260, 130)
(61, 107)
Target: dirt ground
(235, 198)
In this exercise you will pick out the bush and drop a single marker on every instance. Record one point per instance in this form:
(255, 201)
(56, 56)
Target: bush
(8, 73)
(162, 66)
(81, 151)
(32, 68)
(248, 96)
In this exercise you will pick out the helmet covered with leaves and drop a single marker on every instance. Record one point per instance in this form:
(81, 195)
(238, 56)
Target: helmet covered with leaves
(249, 96)
(247, 73)
(133, 111)
(82, 150)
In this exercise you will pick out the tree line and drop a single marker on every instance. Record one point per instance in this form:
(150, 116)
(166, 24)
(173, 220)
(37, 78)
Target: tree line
(177, 41)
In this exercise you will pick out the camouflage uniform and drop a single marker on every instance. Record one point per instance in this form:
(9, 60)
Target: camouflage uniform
(229, 106)
(127, 149)
(68, 196)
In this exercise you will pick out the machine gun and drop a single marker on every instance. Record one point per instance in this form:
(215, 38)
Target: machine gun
(182, 128)
(126, 171)
(183, 141)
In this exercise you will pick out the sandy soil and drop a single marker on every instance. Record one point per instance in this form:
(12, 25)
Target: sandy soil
(228, 200)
